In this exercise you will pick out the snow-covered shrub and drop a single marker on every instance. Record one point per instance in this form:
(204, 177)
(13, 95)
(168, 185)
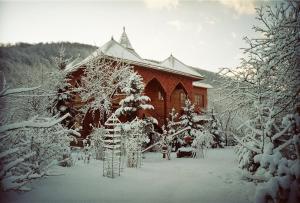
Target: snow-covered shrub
(28, 153)
(245, 156)
(257, 135)
(134, 99)
(29, 144)
(97, 142)
(203, 140)
(280, 165)
(135, 135)
(66, 160)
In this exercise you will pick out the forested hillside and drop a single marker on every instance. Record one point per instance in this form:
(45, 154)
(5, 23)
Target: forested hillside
(23, 59)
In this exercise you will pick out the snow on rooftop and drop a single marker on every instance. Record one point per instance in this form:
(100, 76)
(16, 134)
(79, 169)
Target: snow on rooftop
(174, 64)
(201, 84)
(124, 50)
(115, 49)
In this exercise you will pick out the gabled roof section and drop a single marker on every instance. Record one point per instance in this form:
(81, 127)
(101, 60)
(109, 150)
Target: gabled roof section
(115, 49)
(111, 48)
(176, 65)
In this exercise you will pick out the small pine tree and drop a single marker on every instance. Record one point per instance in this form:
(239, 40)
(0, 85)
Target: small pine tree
(190, 119)
(172, 123)
(201, 138)
(172, 127)
(134, 100)
(215, 129)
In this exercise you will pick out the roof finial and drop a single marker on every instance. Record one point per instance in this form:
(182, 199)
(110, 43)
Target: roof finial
(124, 41)
(112, 37)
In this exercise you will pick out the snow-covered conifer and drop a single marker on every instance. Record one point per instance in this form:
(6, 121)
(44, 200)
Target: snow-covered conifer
(134, 99)
(190, 118)
(201, 137)
(215, 128)
(172, 122)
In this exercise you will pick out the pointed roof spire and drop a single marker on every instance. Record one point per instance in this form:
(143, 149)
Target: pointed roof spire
(124, 41)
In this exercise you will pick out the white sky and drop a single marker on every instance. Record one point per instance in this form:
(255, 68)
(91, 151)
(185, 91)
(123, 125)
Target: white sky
(202, 33)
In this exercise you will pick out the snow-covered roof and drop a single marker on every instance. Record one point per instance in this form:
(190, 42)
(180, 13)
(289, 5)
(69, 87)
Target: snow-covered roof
(114, 49)
(174, 64)
(201, 84)
(123, 50)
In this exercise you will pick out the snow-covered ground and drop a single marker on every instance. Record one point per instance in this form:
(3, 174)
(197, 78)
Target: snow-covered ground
(213, 179)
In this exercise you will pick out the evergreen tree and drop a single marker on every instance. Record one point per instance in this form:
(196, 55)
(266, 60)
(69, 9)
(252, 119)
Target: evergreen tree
(172, 123)
(190, 119)
(201, 137)
(134, 99)
(172, 127)
(215, 129)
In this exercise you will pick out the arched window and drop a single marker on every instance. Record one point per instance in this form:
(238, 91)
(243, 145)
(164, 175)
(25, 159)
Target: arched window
(160, 96)
(199, 100)
(182, 98)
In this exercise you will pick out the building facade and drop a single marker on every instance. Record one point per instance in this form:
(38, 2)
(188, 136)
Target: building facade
(168, 83)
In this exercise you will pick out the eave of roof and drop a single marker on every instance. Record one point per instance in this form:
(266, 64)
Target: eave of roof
(203, 85)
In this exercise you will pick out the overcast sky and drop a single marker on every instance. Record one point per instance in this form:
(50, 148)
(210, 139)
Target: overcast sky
(202, 33)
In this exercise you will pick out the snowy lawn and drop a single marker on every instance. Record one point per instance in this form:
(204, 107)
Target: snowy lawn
(213, 179)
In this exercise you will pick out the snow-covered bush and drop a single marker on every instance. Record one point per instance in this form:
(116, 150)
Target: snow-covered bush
(203, 140)
(257, 133)
(134, 99)
(32, 141)
(280, 165)
(135, 135)
(28, 149)
(270, 154)
(245, 156)
(97, 142)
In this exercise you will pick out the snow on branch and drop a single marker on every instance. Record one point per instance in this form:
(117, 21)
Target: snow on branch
(8, 152)
(279, 134)
(177, 133)
(6, 91)
(256, 177)
(34, 123)
(14, 163)
(246, 146)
